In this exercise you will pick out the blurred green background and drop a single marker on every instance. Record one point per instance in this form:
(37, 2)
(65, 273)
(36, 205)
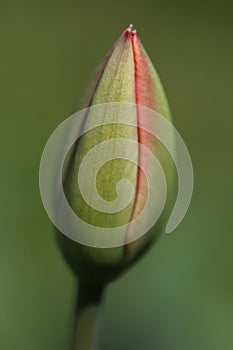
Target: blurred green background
(180, 296)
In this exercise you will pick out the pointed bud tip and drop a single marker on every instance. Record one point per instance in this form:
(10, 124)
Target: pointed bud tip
(130, 29)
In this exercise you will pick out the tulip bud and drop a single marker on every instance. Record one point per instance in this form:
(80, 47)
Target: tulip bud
(125, 76)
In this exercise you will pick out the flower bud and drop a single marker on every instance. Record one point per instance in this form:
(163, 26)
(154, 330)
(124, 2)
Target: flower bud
(126, 76)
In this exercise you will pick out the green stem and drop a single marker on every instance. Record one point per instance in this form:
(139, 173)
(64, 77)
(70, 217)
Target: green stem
(88, 314)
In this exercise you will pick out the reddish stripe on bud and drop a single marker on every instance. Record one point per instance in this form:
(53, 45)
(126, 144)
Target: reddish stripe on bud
(144, 87)
(145, 96)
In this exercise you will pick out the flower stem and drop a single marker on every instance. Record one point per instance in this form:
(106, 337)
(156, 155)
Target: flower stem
(88, 314)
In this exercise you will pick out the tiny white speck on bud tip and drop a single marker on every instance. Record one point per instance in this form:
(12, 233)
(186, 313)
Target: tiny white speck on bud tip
(130, 28)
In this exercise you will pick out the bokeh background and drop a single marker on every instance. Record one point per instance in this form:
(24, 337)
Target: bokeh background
(180, 296)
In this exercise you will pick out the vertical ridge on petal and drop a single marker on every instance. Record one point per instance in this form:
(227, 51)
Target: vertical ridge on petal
(149, 93)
